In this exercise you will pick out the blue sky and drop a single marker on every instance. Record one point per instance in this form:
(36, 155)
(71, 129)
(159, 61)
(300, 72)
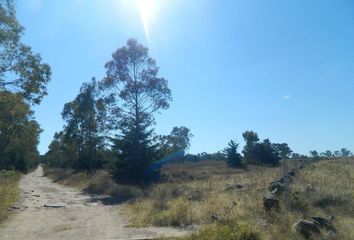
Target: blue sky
(284, 69)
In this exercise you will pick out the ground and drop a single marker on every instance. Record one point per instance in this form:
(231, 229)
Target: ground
(47, 210)
(219, 200)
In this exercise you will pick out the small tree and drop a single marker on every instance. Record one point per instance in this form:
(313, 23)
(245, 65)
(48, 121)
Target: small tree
(233, 158)
(314, 153)
(345, 152)
(327, 154)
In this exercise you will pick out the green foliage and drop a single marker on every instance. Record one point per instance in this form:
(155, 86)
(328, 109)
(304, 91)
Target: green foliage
(8, 191)
(262, 152)
(173, 146)
(134, 92)
(314, 153)
(21, 70)
(282, 149)
(19, 133)
(81, 144)
(233, 158)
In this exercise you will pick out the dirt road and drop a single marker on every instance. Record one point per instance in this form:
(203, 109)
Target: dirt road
(49, 211)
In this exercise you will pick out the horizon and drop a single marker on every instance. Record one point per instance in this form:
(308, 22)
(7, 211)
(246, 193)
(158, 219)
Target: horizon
(284, 70)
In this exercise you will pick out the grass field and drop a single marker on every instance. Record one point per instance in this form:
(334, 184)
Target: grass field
(8, 192)
(193, 193)
(198, 193)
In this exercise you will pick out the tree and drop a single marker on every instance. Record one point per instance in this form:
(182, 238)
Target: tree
(233, 158)
(327, 153)
(314, 153)
(337, 153)
(259, 153)
(251, 139)
(136, 92)
(85, 118)
(345, 152)
(282, 149)
(19, 133)
(178, 141)
(264, 153)
(21, 70)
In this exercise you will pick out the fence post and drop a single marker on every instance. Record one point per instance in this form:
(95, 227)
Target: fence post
(287, 184)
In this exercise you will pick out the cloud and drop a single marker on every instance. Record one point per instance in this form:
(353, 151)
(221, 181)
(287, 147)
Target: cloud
(286, 97)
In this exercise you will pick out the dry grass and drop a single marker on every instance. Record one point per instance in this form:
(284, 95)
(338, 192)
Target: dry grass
(99, 183)
(8, 192)
(192, 193)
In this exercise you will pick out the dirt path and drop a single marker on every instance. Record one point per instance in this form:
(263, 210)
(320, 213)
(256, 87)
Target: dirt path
(51, 211)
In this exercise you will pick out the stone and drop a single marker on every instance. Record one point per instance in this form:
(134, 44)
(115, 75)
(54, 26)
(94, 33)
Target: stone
(270, 201)
(276, 185)
(324, 223)
(306, 228)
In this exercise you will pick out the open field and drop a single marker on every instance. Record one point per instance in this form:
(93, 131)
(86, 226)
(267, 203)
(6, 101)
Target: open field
(8, 192)
(198, 193)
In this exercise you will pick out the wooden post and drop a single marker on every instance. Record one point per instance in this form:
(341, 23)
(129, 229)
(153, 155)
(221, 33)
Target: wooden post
(287, 184)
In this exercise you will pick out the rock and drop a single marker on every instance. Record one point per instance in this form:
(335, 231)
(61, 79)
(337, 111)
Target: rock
(276, 185)
(55, 205)
(36, 195)
(270, 201)
(215, 217)
(324, 223)
(306, 228)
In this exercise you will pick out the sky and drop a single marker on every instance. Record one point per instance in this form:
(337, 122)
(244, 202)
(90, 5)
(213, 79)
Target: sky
(284, 69)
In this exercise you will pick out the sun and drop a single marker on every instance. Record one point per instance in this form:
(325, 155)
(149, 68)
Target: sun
(147, 10)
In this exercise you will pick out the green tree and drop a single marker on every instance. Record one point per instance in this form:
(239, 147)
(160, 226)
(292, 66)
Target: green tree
(345, 152)
(251, 138)
(327, 153)
(21, 70)
(314, 153)
(86, 119)
(19, 133)
(136, 92)
(177, 141)
(233, 158)
(282, 149)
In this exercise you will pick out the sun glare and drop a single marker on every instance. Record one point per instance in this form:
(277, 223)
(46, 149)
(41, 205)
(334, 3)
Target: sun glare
(147, 9)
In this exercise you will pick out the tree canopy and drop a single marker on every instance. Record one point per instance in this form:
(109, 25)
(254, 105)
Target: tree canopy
(21, 70)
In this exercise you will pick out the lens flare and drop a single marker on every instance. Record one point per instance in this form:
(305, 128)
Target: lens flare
(147, 9)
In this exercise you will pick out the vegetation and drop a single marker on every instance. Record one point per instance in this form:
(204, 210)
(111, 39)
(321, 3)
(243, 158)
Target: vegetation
(23, 80)
(233, 158)
(211, 190)
(81, 144)
(8, 192)
(21, 70)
